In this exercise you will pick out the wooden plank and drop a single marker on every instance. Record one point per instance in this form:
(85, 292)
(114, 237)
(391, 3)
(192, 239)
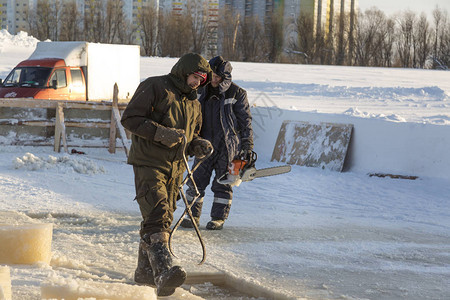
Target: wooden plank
(38, 103)
(105, 124)
(116, 117)
(113, 128)
(60, 129)
(322, 145)
(123, 136)
(27, 103)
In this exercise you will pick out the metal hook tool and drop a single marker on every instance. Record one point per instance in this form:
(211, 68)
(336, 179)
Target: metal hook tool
(188, 211)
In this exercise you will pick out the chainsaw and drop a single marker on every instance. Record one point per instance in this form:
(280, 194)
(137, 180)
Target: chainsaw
(240, 170)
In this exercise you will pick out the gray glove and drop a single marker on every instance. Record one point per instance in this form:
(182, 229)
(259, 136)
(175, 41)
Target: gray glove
(200, 148)
(168, 136)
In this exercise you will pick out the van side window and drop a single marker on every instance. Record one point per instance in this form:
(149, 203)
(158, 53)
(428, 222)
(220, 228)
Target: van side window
(77, 79)
(60, 77)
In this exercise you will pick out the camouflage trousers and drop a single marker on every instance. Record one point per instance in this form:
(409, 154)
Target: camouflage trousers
(157, 194)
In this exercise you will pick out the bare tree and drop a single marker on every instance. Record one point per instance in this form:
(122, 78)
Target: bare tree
(441, 39)
(273, 35)
(174, 34)
(125, 33)
(405, 39)
(369, 36)
(445, 46)
(305, 41)
(438, 20)
(388, 43)
(229, 28)
(422, 41)
(70, 22)
(341, 38)
(94, 22)
(148, 29)
(30, 16)
(44, 21)
(197, 16)
(114, 20)
(251, 35)
(351, 33)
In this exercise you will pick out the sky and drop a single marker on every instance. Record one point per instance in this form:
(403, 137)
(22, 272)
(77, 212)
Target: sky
(393, 6)
(309, 234)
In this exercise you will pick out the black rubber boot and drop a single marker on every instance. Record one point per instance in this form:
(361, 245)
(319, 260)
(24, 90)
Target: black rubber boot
(186, 223)
(167, 278)
(215, 224)
(144, 273)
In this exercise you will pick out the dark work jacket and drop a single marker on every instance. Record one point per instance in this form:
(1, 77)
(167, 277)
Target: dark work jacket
(235, 117)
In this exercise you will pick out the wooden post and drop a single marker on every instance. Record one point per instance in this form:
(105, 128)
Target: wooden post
(115, 115)
(60, 129)
(113, 127)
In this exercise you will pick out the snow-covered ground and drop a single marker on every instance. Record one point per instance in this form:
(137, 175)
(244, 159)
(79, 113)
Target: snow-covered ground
(312, 233)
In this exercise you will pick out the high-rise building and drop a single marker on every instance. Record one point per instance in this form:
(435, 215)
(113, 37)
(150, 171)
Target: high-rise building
(13, 14)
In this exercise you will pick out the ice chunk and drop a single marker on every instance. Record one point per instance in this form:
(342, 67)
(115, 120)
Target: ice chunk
(5, 283)
(25, 243)
(73, 289)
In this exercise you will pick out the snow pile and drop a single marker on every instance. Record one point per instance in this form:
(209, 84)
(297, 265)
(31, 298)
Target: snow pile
(374, 94)
(355, 112)
(22, 44)
(22, 39)
(64, 163)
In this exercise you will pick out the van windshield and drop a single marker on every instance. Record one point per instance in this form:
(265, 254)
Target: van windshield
(28, 77)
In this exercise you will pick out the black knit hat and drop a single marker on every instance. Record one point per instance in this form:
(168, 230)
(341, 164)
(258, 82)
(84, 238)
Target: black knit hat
(221, 67)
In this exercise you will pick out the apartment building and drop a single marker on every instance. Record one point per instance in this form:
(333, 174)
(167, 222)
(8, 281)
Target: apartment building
(13, 14)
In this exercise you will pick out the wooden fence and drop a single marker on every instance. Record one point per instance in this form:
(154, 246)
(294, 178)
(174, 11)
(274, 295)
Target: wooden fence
(115, 128)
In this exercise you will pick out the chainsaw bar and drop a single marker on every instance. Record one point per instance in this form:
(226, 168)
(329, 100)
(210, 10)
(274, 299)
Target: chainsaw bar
(252, 173)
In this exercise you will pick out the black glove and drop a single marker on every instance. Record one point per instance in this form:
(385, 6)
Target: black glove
(247, 155)
(168, 136)
(200, 148)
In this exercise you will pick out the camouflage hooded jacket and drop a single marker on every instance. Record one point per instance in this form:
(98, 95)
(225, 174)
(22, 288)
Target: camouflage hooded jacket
(169, 101)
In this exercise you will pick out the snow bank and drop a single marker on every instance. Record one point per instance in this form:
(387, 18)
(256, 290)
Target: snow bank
(376, 146)
(14, 49)
(64, 163)
(21, 39)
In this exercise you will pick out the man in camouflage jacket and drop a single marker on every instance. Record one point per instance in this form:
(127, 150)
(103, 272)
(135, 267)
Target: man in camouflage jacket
(162, 111)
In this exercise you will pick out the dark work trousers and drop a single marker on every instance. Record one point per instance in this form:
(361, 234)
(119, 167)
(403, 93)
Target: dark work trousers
(223, 193)
(156, 194)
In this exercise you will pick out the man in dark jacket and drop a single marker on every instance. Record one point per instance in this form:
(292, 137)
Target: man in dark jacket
(162, 111)
(227, 125)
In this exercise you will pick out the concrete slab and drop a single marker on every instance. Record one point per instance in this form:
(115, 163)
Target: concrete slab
(321, 145)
